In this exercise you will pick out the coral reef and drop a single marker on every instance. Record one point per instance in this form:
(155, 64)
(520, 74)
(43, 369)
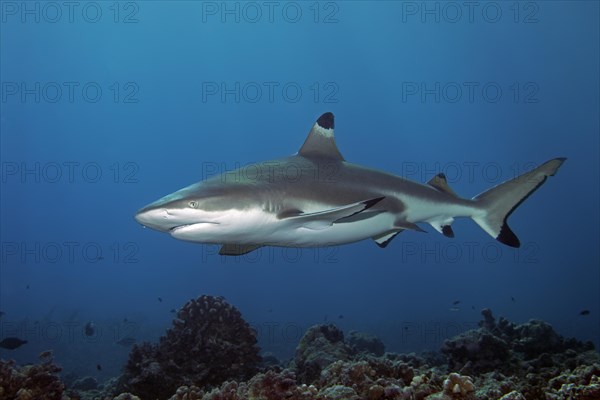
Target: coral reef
(506, 347)
(208, 344)
(320, 346)
(85, 384)
(498, 361)
(361, 342)
(31, 382)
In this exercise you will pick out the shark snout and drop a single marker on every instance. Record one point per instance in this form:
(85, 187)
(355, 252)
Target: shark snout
(155, 218)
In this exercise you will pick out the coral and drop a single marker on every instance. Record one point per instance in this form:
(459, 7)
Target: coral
(188, 393)
(505, 360)
(31, 382)
(361, 342)
(505, 347)
(590, 391)
(208, 344)
(514, 395)
(87, 383)
(264, 386)
(320, 346)
(339, 392)
(458, 386)
(477, 350)
(126, 396)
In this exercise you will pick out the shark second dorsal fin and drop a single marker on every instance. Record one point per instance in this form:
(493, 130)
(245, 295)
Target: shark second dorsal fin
(320, 141)
(439, 182)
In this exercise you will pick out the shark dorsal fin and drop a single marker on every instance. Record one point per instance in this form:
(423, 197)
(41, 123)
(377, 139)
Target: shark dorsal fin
(439, 182)
(320, 141)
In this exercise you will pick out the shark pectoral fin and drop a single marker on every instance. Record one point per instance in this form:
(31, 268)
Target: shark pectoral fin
(439, 182)
(323, 219)
(230, 249)
(385, 239)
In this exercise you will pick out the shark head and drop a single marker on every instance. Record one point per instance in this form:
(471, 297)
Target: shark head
(192, 207)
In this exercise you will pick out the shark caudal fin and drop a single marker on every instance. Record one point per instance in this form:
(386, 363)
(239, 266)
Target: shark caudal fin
(500, 201)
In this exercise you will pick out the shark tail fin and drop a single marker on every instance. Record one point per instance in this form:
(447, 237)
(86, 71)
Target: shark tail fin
(500, 201)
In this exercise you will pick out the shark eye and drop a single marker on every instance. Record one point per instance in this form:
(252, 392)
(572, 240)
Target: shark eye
(193, 204)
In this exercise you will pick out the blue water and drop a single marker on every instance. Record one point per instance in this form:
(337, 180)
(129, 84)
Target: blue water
(109, 106)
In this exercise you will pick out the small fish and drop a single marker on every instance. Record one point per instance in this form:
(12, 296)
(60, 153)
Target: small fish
(512, 299)
(454, 309)
(12, 343)
(126, 341)
(89, 329)
(100, 258)
(456, 302)
(173, 311)
(125, 319)
(27, 287)
(270, 310)
(473, 307)
(2, 313)
(340, 316)
(160, 299)
(99, 367)
(585, 312)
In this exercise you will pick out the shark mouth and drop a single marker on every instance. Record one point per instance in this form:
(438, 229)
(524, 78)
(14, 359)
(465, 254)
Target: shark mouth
(178, 227)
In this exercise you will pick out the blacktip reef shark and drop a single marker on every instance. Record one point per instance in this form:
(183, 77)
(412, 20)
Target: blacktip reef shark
(316, 198)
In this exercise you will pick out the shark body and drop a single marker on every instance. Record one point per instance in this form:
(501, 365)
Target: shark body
(316, 198)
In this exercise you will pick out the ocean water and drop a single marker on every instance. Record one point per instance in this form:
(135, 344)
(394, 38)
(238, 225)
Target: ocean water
(107, 106)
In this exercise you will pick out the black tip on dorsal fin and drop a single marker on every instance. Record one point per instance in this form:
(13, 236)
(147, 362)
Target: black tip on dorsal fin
(439, 182)
(320, 142)
(326, 121)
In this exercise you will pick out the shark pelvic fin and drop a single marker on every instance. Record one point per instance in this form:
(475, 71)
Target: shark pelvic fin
(230, 249)
(439, 182)
(399, 224)
(323, 219)
(385, 239)
(320, 142)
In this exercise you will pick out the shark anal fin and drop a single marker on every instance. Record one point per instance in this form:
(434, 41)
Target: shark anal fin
(320, 141)
(232, 249)
(385, 239)
(443, 227)
(323, 219)
(439, 182)
(447, 231)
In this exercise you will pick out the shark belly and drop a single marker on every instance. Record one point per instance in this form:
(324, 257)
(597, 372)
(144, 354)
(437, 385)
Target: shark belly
(264, 228)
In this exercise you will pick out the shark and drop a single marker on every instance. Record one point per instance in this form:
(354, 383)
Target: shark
(316, 198)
